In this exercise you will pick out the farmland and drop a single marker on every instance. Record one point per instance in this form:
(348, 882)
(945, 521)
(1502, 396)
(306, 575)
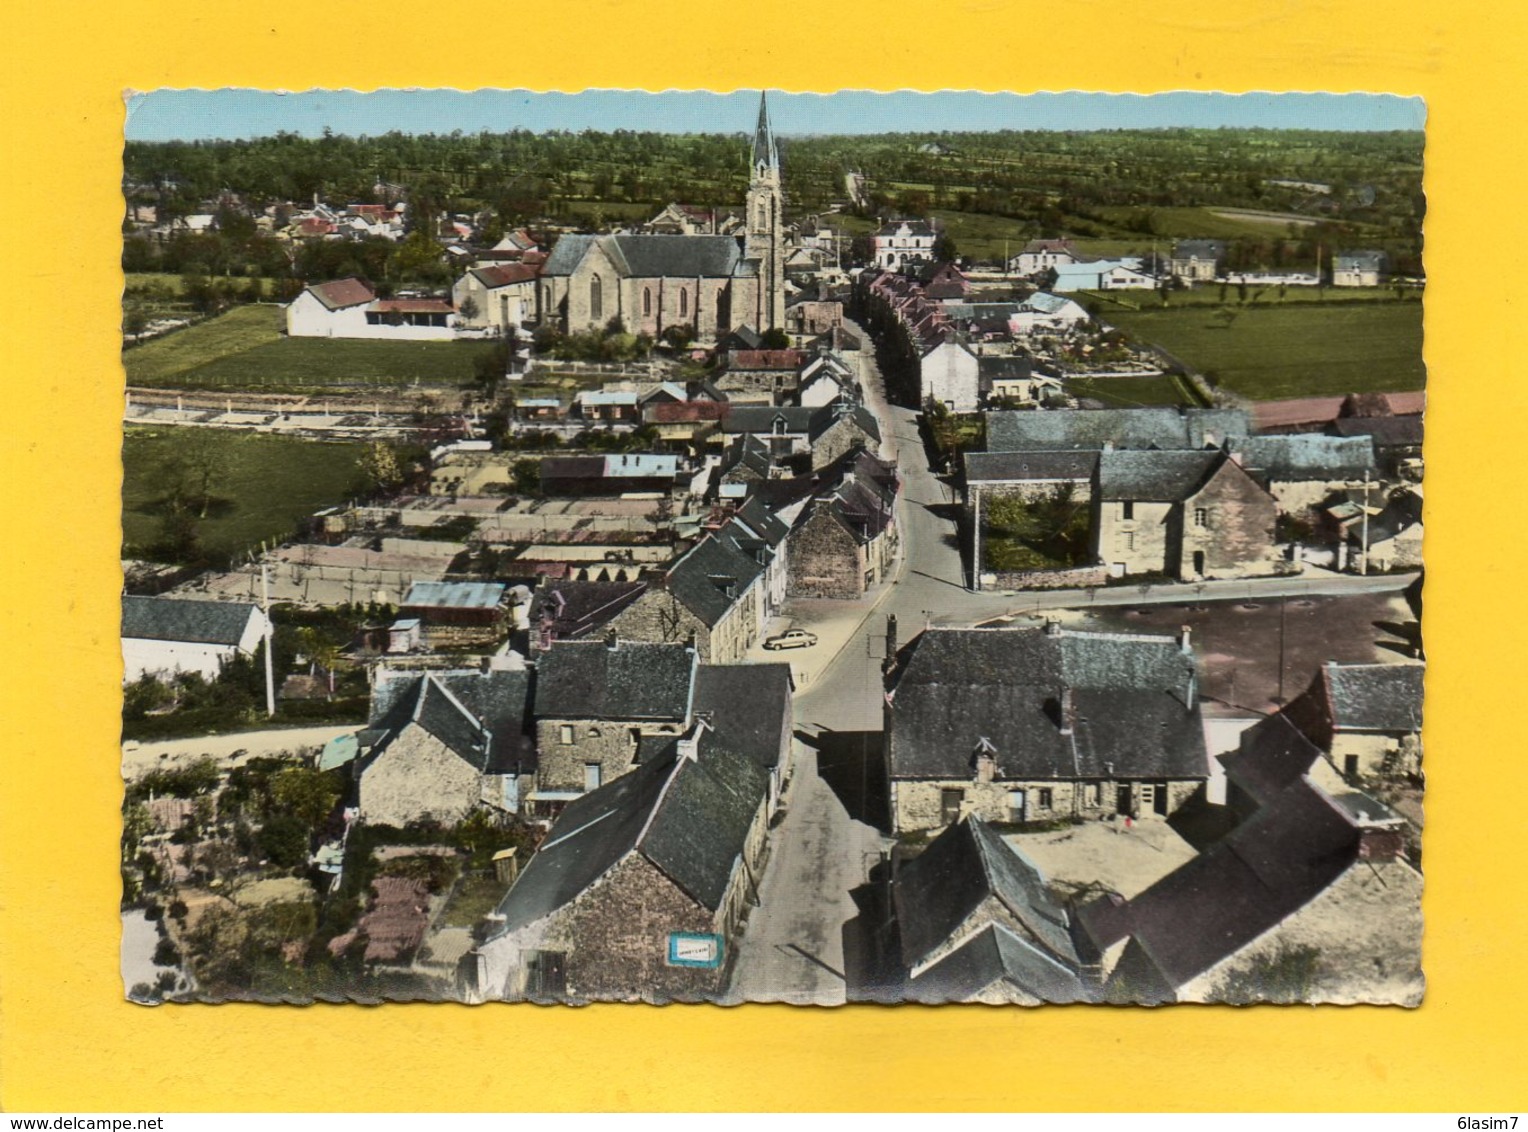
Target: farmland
(1131, 392)
(1302, 350)
(245, 349)
(265, 486)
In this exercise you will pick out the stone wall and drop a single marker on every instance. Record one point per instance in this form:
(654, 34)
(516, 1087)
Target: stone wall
(1237, 535)
(840, 437)
(1076, 576)
(1139, 543)
(657, 617)
(610, 743)
(418, 777)
(825, 560)
(918, 804)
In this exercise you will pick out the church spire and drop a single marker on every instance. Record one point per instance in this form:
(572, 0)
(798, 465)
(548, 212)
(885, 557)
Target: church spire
(764, 151)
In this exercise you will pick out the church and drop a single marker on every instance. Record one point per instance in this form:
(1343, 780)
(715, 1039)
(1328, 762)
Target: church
(652, 283)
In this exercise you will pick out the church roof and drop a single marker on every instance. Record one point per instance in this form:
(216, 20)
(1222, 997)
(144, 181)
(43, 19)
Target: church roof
(651, 257)
(764, 150)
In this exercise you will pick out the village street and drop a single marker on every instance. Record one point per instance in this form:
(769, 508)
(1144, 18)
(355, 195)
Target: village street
(792, 947)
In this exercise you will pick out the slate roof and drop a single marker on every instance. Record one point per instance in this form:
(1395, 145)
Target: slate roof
(482, 716)
(826, 416)
(1212, 906)
(1363, 260)
(935, 893)
(1135, 709)
(761, 419)
(747, 453)
(747, 705)
(340, 293)
(1199, 249)
(689, 817)
(763, 522)
(171, 619)
(566, 254)
(427, 703)
(1058, 429)
(680, 257)
(1384, 432)
(992, 958)
(729, 558)
(1305, 456)
(632, 680)
(573, 610)
(1374, 697)
(1011, 467)
(1003, 367)
(1166, 477)
(1273, 755)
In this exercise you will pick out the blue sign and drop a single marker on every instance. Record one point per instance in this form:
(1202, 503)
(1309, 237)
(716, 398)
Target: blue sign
(694, 949)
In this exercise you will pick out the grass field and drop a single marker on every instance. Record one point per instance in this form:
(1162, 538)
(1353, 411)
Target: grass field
(1131, 392)
(1208, 295)
(268, 485)
(244, 348)
(1296, 351)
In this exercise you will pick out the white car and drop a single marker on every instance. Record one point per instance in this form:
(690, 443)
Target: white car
(791, 639)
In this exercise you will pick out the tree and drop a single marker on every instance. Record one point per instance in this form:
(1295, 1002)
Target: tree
(379, 465)
(944, 249)
(284, 840)
(467, 310)
(308, 795)
(774, 339)
(134, 322)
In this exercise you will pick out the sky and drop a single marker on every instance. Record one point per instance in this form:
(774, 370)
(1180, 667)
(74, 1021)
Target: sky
(167, 115)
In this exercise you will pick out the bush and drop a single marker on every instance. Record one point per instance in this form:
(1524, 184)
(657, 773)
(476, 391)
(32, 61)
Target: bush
(166, 954)
(284, 840)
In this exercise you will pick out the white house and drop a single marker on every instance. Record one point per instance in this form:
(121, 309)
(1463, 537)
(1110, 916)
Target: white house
(349, 308)
(1040, 255)
(950, 374)
(902, 242)
(1104, 275)
(825, 379)
(1043, 312)
(168, 636)
(1358, 269)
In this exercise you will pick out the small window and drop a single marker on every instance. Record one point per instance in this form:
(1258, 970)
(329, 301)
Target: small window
(591, 776)
(647, 301)
(950, 802)
(565, 734)
(684, 302)
(1127, 510)
(1047, 798)
(594, 732)
(1201, 517)
(1129, 540)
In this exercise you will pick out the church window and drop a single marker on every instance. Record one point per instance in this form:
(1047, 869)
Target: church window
(763, 216)
(596, 299)
(684, 303)
(647, 301)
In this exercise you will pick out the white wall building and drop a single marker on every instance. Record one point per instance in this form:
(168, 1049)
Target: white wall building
(167, 636)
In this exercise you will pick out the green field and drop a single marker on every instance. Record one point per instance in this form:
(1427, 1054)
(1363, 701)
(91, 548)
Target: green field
(1131, 392)
(1304, 350)
(267, 485)
(245, 349)
(1209, 295)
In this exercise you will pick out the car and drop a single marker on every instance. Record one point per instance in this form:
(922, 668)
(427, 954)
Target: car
(791, 639)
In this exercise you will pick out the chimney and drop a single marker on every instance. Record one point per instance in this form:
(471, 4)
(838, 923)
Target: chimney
(689, 746)
(1184, 633)
(1068, 711)
(610, 641)
(1053, 627)
(891, 637)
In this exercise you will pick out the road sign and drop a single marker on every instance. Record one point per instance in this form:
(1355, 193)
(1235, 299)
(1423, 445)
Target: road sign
(694, 949)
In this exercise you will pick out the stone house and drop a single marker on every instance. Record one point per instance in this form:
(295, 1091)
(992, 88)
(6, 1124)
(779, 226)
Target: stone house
(166, 636)
(1186, 514)
(749, 710)
(844, 540)
(1196, 261)
(836, 430)
(440, 745)
(976, 924)
(814, 317)
(759, 377)
(1019, 725)
(1301, 471)
(903, 243)
(594, 703)
(504, 295)
(1365, 718)
(785, 428)
(1040, 255)
(638, 891)
(1306, 867)
(1030, 476)
(1093, 430)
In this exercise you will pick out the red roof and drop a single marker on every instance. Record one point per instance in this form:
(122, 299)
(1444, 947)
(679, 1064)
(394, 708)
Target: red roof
(501, 275)
(413, 306)
(681, 412)
(1323, 410)
(313, 226)
(339, 293)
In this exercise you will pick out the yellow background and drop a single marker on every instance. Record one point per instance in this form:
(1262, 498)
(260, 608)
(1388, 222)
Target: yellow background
(69, 1042)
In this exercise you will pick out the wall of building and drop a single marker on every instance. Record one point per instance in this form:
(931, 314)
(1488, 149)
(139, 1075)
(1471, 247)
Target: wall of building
(917, 804)
(949, 375)
(1302, 497)
(657, 617)
(1147, 552)
(418, 777)
(842, 436)
(825, 560)
(140, 657)
(1237, 535)
(612, 744)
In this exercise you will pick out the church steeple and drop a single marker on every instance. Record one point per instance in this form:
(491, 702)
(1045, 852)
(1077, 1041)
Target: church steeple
(765, 155)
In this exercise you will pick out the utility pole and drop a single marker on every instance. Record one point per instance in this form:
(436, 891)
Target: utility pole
(976, 539)
(1363, 539)
(270, 678)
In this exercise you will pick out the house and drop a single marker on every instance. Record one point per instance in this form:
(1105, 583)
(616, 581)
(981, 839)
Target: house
(1021, 725)
(639, 888)
(1307, 869)
(164, 636)
(836, 430)
(825, 380)
(1041, 255)
(844, 540)
(686, 220)
(504, 295)
(455, 614)
(349, 308)
(949, 375)
(1196, 261)
(1030, 476)
(614, 474)
(1012, 377)
(441, 744)
(760, 377)
(1364, 268)
(944, 282)
(785, 428)
(814, 317)
(1044, 313)
(1303, 470)
(976, 924)
(684, 421)
(1190, 514)
(594, 702)
(577, 610)
(747, 460)
(902, 243)
(1365, 718)
(1103, 275)
(608, 406)
(720, 593)
(748, 710)
(1394, 534)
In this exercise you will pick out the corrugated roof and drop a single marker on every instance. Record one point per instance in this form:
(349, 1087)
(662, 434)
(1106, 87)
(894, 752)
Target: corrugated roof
(454, 595)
